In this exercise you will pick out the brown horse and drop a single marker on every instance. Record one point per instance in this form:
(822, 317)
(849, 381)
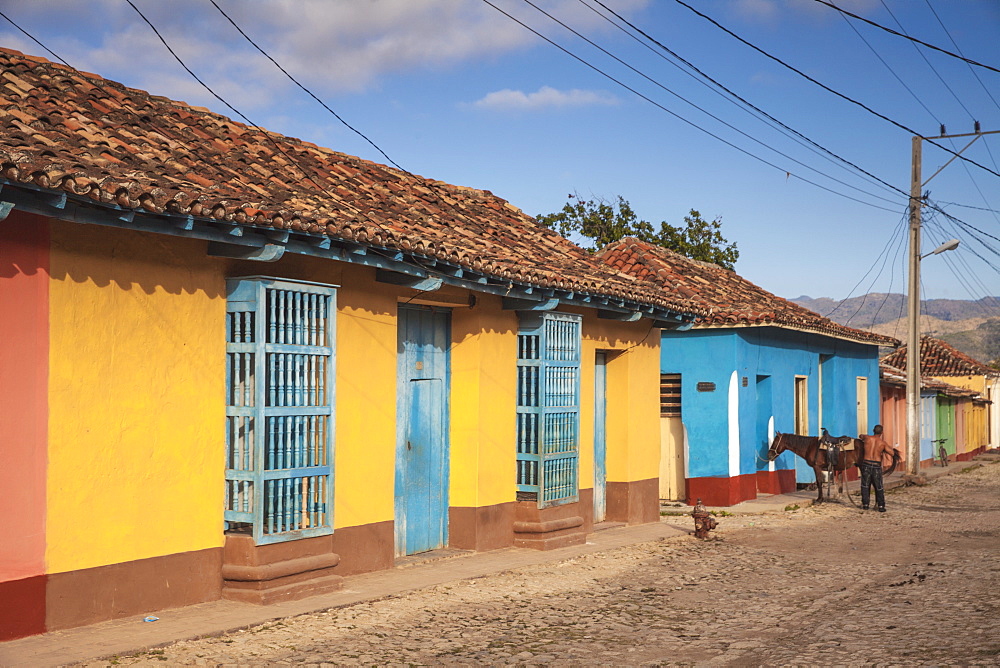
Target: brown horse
(808, 448)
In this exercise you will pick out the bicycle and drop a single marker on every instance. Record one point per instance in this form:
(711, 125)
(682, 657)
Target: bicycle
(942, 453)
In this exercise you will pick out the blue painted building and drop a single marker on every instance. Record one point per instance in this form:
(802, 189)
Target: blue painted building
(755, 365)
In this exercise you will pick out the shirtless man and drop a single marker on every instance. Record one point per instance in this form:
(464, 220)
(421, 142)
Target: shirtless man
(871, 468)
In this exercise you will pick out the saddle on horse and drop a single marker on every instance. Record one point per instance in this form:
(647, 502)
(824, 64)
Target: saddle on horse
(832, 446)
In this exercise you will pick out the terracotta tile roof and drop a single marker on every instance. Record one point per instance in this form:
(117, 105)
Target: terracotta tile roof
(729, 299)
(891, 375)
(76, 132)
(937, 358)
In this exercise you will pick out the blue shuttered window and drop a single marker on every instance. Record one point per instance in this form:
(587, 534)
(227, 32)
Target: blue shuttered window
(548, 406)
(279, 408)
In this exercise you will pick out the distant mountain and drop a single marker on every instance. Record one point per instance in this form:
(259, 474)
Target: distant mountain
(876, 308)
(971, 326)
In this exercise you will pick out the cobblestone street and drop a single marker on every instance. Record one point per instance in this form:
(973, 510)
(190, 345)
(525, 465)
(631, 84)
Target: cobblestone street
(777, 589)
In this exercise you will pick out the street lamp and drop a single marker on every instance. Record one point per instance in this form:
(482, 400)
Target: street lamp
(951, 244)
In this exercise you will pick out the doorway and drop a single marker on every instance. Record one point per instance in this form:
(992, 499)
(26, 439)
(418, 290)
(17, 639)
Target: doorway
(423, 374)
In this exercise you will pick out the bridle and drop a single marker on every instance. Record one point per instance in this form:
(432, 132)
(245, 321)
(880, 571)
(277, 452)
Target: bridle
(773, 451)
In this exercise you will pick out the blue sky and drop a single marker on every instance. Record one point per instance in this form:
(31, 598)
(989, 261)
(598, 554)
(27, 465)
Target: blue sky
(456, 91)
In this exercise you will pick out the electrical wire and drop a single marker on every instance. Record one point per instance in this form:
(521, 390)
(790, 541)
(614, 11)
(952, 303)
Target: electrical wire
(831, 90)
(928, 62)
(967, 278)
(700, 75)
(958, 48)
(702, 110)
(33, 39)
(309, 92)
(891, 71)
(892, 273)
(912, 39)
(892, 236)
(235, 110)
(676, 115)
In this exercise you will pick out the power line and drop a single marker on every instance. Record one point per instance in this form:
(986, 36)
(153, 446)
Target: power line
(674, 114)
(970, 276)
(892, 237)
(731, 93)
(296, 82)
(35, 40)
(912, 39)
(704, 111)
(929, 64)
(831, 90)
(959, 49)
(235, 110)
(891, 71)
(892, 273)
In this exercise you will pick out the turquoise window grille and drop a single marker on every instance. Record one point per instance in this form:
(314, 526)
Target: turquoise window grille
(279, 408)
(548, 406)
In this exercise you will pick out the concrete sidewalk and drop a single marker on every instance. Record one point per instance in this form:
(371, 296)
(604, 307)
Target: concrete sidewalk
(132, 634)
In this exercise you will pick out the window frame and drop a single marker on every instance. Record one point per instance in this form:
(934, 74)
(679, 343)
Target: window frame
(549, 367)
(280, 386)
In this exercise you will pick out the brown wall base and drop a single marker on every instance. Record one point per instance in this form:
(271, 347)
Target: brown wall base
(265, 574)
(22, 607)
(366, 548)
(486, 528)
(548, 528)
(121, 590)
(635, 502)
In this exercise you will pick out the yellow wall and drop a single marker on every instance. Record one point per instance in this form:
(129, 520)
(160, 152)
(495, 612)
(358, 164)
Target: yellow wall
(135, 402)
(137, 414)
(976, 418)
(633, 395)
(365, 472)
(483, 398)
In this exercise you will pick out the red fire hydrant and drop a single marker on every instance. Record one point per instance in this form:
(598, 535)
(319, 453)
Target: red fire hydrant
(703, 521)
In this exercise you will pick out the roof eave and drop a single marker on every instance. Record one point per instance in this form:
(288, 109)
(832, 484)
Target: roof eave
(794, 328)
(250, 242)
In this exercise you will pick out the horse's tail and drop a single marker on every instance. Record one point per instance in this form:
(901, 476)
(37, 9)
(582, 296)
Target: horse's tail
(892, 467)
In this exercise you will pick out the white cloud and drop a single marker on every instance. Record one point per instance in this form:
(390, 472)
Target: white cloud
(330, 46)
(545, 97)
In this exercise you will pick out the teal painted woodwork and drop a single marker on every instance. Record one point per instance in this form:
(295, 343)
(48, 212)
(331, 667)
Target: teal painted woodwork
(548, 406)
(945, 424)
(600, 437)
(279, 408)
(421, 486)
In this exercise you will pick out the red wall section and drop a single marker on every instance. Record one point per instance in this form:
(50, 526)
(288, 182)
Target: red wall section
(722, 491)
(24, 341)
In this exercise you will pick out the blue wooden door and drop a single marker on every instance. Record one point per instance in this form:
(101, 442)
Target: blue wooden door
(421, 498)
(600, 437)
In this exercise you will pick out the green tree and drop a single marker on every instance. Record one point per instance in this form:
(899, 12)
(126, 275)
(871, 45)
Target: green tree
(604, 222)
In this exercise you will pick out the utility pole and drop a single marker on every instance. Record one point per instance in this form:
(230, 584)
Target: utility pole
(913, 319)
(913, 305)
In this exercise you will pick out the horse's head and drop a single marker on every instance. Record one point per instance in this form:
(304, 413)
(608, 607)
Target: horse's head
(777, 446)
